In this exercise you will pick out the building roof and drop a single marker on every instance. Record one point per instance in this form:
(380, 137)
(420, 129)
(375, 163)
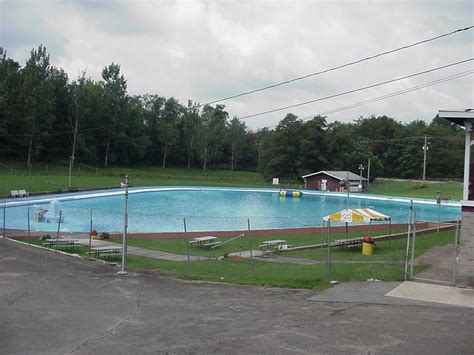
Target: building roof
(457, 116)
(339, 175)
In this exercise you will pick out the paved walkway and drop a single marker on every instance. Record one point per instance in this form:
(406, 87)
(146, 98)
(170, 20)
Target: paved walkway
(149, 253)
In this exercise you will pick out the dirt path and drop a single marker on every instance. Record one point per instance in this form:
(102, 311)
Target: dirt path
(441, 260)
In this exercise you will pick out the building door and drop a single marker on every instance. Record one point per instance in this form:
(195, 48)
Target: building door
(324, 185)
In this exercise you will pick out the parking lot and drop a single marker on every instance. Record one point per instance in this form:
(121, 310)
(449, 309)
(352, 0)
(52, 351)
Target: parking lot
(52, 303)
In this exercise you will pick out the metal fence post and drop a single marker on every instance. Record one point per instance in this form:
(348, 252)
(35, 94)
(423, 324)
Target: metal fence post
(408, 240)
(328, 264)
(90, 239)
(4, 217)
(413, 246)
(59, 227)
(251, 249)
(187, 246)
(29, 229)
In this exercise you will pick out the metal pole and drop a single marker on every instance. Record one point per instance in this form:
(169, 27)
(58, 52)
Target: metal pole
(347, 187)
(328, 271)
(59, 227)
(456, 251)
(125, 225)
(368, 173)
(390, 230)
(187, 246)
(250, 246)
(347, 230)
(467, 159)
(90, 238)
(408, 239)
(361, 168)
(413, 246)
(4, 217)
(29, 229)
(322, 235)
(425, 148)
(438, 201)
(71, 158)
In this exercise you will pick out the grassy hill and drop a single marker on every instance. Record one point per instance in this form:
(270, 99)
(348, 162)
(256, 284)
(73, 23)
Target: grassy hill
(44, 177)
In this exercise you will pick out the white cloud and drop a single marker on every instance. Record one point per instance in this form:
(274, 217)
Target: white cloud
(203, 50)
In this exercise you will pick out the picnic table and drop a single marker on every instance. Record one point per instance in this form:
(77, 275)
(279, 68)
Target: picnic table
(205, 242)
(61, 242)
(106, 251)
(279, 244)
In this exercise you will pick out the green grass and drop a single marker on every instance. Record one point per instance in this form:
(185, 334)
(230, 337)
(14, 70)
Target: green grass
(270, 274)
(385, 250)
(179, 245)
(262, 273)
(447, 189)
(49, 178)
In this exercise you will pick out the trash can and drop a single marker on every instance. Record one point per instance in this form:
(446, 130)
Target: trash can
(367, 246)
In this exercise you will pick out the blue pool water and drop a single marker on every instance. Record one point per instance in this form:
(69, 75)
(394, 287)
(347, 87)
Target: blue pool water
(206, 209)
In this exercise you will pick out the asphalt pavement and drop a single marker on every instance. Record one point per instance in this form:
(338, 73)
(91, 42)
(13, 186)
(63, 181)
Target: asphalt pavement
(56, 304)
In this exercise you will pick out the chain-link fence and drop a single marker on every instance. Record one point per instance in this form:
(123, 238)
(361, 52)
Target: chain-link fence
(305, 257)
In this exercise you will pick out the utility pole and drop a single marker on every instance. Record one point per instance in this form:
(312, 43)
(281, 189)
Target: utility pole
(368, 173)
(258, 154)
(125, 226)
(425, 149)
(361, 168)
(71, 158)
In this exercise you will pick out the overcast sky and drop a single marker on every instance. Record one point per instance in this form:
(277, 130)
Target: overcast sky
(206, 50)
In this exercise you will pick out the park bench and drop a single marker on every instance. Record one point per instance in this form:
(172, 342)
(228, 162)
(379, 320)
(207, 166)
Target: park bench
(19, 193)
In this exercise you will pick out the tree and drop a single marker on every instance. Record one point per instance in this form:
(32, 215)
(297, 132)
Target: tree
(11, 106)
(236, 135)
(313, 145)
(153, 106)
(283, 150)
(115, 101)
(168, 131)
(38, 99)
(212, 133)
(189, 130)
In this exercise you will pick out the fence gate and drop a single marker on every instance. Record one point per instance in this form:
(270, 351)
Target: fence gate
(437, 260)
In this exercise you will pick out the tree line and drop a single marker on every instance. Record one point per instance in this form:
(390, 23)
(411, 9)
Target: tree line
(45, 116)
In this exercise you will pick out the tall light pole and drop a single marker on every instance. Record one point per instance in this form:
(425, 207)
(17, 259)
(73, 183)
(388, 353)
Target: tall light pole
(125, 226)
(368, 173)
(425, 149)
(71, 158)
(361, 168)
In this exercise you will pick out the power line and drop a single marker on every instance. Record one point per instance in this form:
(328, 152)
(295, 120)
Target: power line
(356, 90)
(337, 67)
(384, 97)
(61, 133)
(397, 93)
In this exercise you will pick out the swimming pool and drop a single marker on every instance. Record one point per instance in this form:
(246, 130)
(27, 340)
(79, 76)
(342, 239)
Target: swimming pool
(163, 209)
